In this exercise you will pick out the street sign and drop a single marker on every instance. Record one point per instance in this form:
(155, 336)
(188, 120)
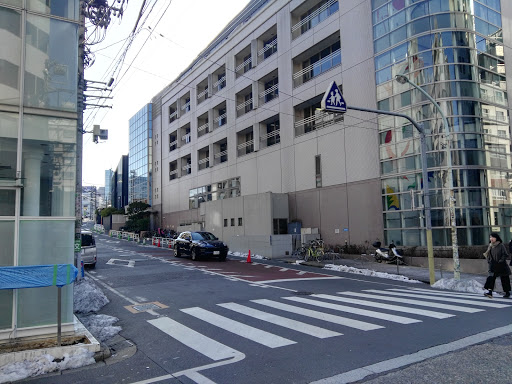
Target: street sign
(333, 100)
(78, 245)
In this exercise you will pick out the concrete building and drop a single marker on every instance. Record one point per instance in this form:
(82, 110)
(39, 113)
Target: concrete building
(38, 132)
(140, 156)
(243, 119)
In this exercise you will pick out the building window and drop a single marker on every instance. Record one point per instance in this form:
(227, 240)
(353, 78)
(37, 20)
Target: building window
(248, 102)
(273, 135)
(318, 171)
(221, 81)
(247, 63)
(271, 89)
(239, 221)
(222, 117)
(225, 222)
(321, 62)
(280, 226)
(232, 222)
(269, 47)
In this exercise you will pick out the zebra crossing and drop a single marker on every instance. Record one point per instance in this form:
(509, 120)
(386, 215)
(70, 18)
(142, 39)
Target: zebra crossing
(312, 310)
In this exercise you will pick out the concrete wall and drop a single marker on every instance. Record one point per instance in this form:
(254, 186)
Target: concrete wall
(274, 246)
(118, 221)
(349, 213)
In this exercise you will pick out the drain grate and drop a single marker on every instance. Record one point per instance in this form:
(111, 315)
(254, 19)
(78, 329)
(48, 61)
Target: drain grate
(145, 307)
(303, 293)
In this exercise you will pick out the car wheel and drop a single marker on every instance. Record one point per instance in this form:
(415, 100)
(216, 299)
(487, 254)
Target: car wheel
(194, 254)
(177, 252)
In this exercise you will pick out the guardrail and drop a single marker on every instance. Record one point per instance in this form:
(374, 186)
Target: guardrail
(161, 242)
(98, 228)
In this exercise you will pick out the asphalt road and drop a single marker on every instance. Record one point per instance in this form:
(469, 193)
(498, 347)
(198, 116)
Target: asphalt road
(270, 322)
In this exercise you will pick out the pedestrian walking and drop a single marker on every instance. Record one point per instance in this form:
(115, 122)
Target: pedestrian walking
(497, 255)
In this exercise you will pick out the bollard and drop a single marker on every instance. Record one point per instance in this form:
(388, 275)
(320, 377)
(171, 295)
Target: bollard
(158, 242)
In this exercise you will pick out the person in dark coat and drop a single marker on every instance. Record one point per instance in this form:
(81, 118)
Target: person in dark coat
(497, 255)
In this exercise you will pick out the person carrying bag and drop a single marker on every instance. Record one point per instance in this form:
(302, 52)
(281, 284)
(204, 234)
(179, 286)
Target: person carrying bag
(496, 256)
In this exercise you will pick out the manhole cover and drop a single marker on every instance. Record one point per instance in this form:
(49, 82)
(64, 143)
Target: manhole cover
(145, 307)
(302, 293)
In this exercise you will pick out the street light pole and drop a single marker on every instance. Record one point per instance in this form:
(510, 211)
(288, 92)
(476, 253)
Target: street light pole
(451, 198)
(424, 174)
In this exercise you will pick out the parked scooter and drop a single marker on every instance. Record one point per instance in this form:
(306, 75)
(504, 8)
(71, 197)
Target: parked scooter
(389, 255)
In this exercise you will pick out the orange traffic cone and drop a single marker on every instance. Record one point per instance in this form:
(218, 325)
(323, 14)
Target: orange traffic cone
(159, 243)
(249, 257)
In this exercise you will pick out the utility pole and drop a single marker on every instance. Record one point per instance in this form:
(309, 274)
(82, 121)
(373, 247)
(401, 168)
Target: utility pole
(79, 137)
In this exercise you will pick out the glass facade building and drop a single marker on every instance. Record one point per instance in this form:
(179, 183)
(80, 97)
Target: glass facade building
(38, 130)
(140, 156)
(108, 187)
(454, 50)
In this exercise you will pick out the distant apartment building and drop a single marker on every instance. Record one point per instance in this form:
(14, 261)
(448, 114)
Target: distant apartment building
(140, 156)
(244, 119)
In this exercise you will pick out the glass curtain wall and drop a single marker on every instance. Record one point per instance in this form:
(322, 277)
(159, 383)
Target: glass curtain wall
(140, 156)
(38, 94)
(453, 49)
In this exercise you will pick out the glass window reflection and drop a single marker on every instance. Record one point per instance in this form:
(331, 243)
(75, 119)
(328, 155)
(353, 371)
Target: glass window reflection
(53, 85)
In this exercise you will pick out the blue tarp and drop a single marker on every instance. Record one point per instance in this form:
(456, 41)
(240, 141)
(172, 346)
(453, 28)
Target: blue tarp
(36, 276)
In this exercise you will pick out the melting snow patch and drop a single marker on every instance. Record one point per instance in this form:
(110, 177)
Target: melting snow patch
(45, 364)
(244, 255)
(367, 272)
(101, 326)
(87, 297)
(471, 286)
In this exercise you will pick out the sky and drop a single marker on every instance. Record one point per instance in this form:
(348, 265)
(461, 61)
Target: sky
(175, 32)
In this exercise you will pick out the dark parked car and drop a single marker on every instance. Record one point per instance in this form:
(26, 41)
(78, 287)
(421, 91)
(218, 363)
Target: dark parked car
(200, 244)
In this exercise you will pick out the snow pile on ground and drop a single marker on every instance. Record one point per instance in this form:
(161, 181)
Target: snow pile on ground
(244, 255)
(367, 272)
(45, 364)
(101, 326)
(471, 286)
(87, 297)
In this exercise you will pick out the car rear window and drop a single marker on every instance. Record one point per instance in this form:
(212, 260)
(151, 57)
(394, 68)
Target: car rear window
(87, 240)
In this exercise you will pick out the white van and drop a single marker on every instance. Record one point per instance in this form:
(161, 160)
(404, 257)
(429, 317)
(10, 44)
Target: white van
(89, 256)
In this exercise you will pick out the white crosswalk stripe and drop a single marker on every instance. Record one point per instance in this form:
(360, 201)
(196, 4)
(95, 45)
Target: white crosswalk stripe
(195, 340)
(369, 298)
(391, 307)
(472, 296)
(298, 326)
(257, 335)
(440, 298)
(319, 315)
(414, 302)
(357, 311)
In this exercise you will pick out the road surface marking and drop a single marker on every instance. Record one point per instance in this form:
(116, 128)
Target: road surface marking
(295, 325)
(123, 263)
(319, 315)
(195, 340)
(467, 295)
(292, 279)
(357, 311)
(414, 302)
(257, 335)
(391, 307)
(440, 298)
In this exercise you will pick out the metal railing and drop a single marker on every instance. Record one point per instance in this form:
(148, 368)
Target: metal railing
(219, 84)
(264, 96)
(316, 69)
(219, 119)
(241, 108)
(298, 29)
(243, 148)
(244, 65)
(270, 45)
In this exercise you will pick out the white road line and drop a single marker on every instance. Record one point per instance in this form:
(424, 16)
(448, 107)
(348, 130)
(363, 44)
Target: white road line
(295, 279)
(302, 272)
(414, 302)
(467, 295)
(440, 298)
(257, 335)
(295, 325)
(268, 266)
(391, 307)
(320, 315)
(357, 311)
(195, 340)
(284, 269)
(358, 374)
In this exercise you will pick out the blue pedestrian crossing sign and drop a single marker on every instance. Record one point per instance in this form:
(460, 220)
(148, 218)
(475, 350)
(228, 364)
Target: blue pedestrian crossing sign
(333, 100)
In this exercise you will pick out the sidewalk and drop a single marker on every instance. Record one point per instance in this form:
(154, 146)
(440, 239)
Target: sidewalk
(415, 273)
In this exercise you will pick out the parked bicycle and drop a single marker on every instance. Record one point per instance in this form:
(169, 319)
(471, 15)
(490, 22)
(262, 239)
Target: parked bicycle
(315, 251)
